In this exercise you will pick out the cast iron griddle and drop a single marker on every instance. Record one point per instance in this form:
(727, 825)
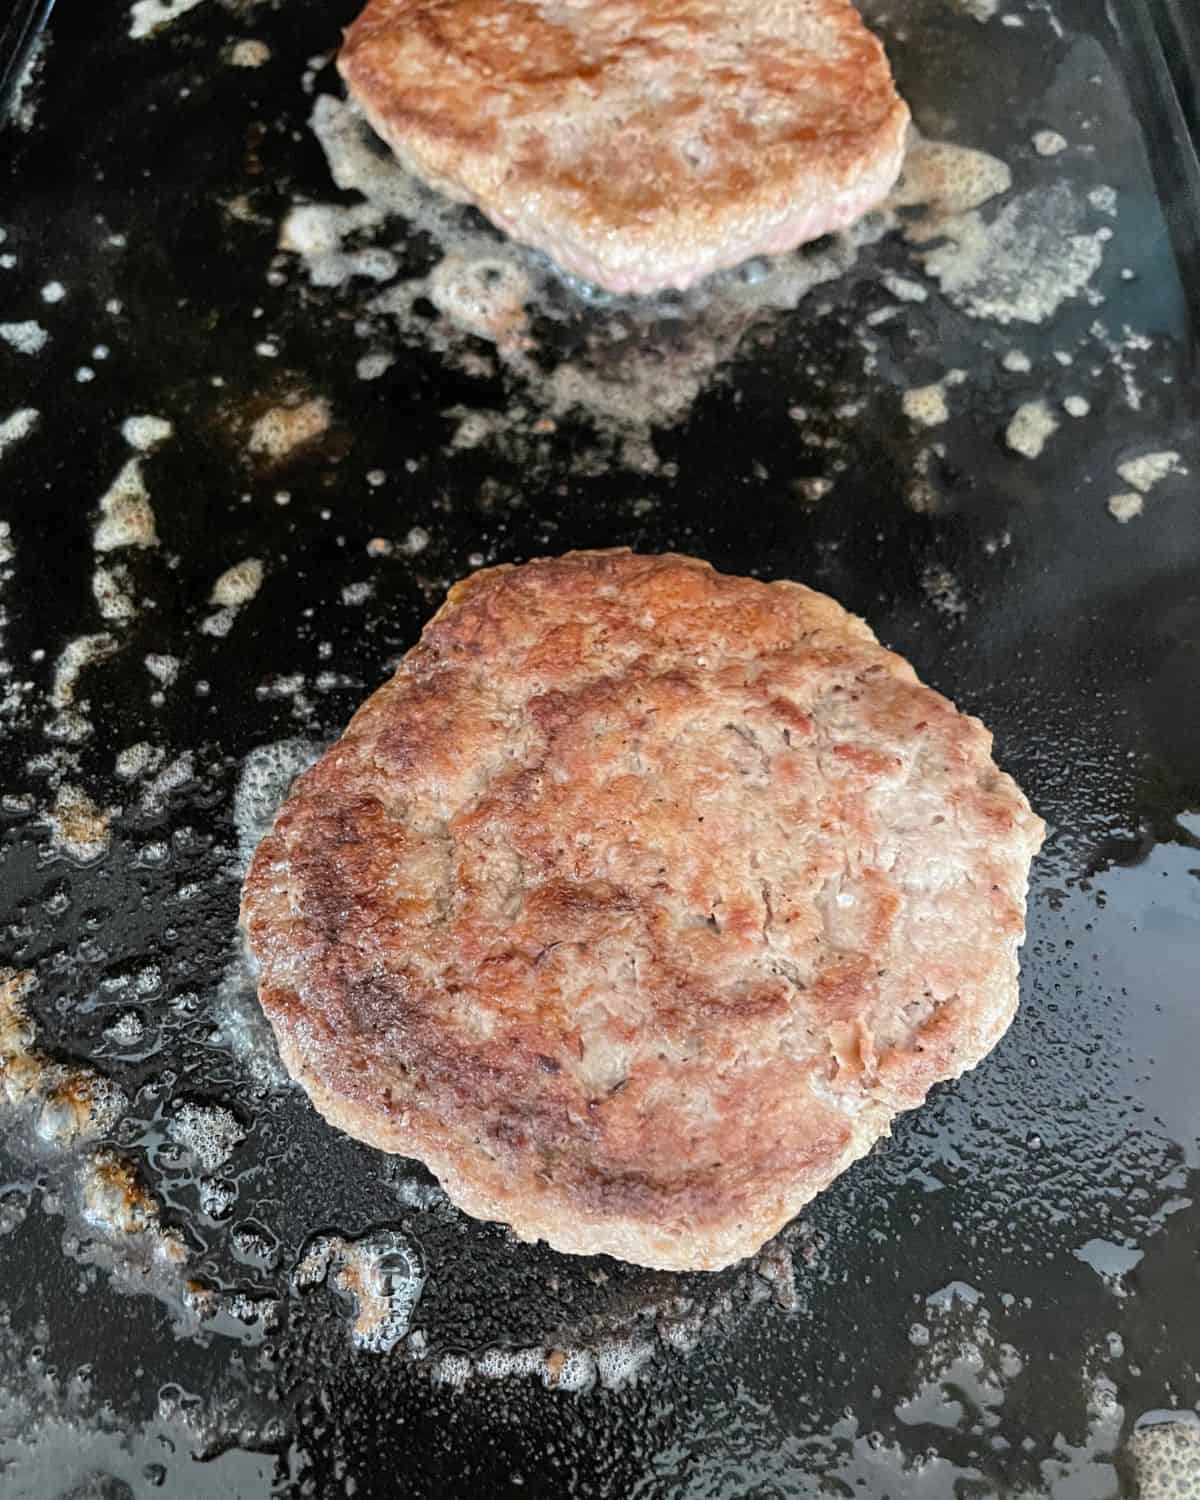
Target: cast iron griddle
(991, 1300)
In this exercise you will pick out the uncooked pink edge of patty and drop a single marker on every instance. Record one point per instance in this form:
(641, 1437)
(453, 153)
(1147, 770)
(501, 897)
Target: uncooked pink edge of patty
(813, 222)
(624, 270)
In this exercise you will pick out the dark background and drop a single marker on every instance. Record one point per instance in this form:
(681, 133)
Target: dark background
(1012, 590)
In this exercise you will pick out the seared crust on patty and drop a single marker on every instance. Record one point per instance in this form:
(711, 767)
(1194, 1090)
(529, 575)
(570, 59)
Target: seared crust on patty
(639, 901)
(641, 143)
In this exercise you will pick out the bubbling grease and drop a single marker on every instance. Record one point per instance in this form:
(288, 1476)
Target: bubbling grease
(126, 515)
(1162, 1456)
(380, 1276)
(79, 828)
(66, 1104)
(209, 1132)
(267, 774)
(284, 429)
(18, 425)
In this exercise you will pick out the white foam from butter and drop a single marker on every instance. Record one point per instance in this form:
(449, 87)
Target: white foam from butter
(148, 16)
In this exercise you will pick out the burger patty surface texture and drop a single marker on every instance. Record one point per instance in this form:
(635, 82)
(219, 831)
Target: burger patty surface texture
(639, 901)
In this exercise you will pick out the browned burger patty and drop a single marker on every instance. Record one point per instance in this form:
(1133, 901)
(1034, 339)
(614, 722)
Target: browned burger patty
(640, 143)
(639, 901)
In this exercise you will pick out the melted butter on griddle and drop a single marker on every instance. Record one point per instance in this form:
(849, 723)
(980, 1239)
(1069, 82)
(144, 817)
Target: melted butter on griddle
(1162, 1456)
(379, 1276)
(61, 1116)
(65, 1104)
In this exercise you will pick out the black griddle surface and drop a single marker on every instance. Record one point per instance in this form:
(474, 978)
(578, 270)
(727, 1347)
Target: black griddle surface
(989, 1301)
